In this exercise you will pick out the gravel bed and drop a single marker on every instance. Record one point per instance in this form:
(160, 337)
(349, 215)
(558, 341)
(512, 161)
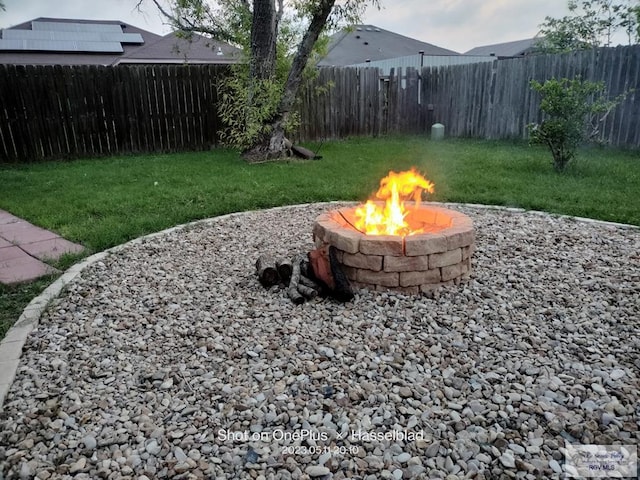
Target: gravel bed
(169, 360)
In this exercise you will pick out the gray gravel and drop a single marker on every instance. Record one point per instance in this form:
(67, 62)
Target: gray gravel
(169, 360)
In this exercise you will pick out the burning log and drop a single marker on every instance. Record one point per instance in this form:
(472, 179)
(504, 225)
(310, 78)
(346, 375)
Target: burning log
(267, 272)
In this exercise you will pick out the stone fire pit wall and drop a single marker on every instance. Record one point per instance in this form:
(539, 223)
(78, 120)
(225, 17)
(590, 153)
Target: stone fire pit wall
(416, 263)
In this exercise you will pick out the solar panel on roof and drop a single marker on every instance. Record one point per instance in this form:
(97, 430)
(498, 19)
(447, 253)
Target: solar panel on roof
(79, 36)
(76, 27)
(60, 46)
(104, 47)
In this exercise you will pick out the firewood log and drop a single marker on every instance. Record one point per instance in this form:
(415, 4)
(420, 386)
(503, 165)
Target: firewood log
(284, 268)
(307, 292)
(266, 268)
(295, 296)
(307, 282)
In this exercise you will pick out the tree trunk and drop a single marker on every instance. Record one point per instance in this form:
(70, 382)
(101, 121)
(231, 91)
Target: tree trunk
(263, 40)
(273, 145)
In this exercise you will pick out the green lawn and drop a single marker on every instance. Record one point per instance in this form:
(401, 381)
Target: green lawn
(104, 202)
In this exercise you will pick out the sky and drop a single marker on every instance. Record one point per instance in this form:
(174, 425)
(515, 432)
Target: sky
(458, 25)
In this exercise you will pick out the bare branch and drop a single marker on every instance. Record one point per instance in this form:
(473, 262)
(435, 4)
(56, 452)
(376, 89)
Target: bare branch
(164, 12)
(187, 25)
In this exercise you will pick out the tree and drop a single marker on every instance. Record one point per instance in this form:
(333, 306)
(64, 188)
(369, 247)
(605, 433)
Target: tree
(590, 24)
(269, 99)
(574, 110)
(633, 26)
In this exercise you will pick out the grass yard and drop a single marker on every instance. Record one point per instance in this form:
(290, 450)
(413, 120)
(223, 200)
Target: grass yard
(104, 202)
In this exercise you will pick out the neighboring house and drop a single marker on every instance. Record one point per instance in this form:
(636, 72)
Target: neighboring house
(420, 60)
(174, 49)
(518, 48)
(56, 41)
(368, 43)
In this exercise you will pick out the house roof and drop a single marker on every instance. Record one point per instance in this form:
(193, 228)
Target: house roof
(141, 47)
(507, 49)
(22, 57)
(360, 43)
(173, 48)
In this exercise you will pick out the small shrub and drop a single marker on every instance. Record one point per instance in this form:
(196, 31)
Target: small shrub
(574, 110)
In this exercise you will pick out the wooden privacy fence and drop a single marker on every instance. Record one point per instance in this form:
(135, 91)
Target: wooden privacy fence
(487, 100)
(342, 102)
(61, 112)
(498, 102)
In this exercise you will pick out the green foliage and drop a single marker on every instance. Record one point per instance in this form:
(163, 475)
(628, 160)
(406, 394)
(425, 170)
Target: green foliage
(247, 108)
(574, 110)
(590, 24)
(253, 107)
(634, 22)
(247, 105)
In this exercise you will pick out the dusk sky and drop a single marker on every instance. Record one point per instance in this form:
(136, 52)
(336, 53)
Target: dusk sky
(454, 24)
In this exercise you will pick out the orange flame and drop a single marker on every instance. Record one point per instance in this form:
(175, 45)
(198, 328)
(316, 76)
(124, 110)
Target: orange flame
(389, 219)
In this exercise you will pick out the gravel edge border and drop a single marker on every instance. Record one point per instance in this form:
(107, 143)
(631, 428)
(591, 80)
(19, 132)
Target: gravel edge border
(12, 343)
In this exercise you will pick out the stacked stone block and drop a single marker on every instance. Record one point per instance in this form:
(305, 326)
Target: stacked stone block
(412, 264)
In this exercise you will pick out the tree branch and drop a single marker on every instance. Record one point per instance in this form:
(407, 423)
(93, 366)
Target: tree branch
(185, 24)
(318, 21)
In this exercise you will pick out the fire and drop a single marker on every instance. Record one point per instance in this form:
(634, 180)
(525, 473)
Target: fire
(390, 219)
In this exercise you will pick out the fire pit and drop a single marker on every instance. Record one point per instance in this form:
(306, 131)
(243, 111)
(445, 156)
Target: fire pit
(397, 244)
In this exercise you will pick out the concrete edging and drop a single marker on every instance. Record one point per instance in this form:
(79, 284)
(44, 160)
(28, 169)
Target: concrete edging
(12, 343)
